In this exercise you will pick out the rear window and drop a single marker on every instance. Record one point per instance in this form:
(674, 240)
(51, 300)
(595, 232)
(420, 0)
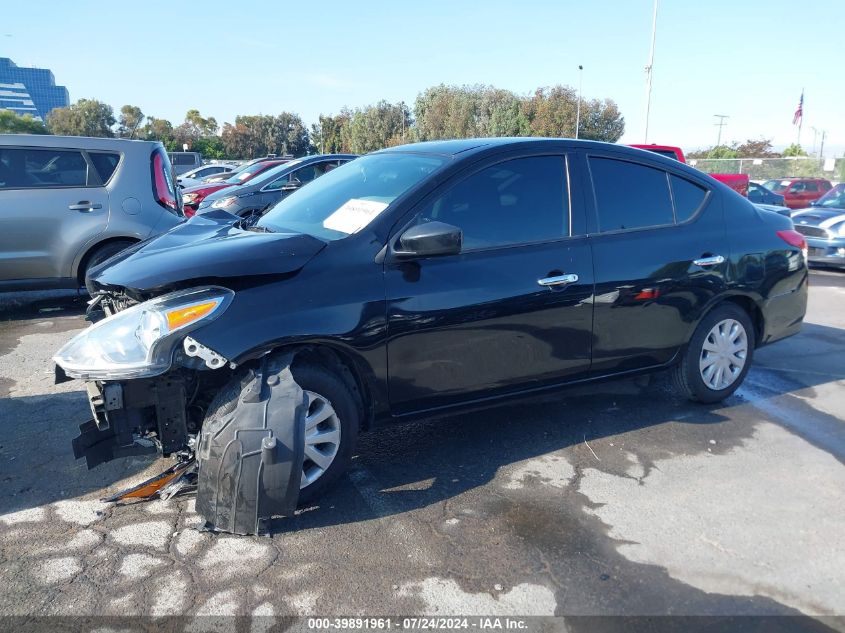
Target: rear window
(630, 195)
(686, 196)
(105, 163)
(185, 159)
(29, 168)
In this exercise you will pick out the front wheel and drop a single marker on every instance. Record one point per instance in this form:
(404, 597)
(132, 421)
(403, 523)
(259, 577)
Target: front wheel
(718, 356)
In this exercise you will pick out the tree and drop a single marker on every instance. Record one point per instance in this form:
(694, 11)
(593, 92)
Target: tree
(601, 121)
(258, 135)
(552, 111)
(13, 123)
(86, 117)
(210, 147)
(327, 134)
(759, 148)
(158, 130)
(199, 125)
(375, 127)
(129, 121)
(794, 150)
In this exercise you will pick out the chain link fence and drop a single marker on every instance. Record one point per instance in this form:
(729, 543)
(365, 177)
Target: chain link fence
(765, 168)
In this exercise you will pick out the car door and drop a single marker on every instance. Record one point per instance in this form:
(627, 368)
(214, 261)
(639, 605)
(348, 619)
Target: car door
(660, 255)
(811, 192)
(512, 310)
(51, 203)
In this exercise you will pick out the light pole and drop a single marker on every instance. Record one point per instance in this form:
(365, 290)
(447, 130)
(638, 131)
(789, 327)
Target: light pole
(578, 107)
(815, 134)
(720, 124)
(648, 71)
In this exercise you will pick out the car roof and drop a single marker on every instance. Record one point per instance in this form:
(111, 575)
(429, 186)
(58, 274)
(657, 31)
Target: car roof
(454, 147)
(76, 142)
(292, 164)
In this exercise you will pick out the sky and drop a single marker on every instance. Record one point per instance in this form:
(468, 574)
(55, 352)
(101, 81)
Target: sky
(748, 59)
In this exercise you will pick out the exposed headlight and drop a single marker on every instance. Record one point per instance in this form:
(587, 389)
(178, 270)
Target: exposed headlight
(190, 198)
(224, 202)
(138, 342)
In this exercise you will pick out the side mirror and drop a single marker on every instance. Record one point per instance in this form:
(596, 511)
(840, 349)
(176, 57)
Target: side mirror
(292, 186)
(432, 238)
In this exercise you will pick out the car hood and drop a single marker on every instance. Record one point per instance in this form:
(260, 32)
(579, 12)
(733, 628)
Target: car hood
(211, 246)
(817, 216)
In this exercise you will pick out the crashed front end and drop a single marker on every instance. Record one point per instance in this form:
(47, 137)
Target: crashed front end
(150, 385)
(142, 371)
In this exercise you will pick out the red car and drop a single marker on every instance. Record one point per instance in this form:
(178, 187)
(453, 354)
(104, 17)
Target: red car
(737, 182)
(192, 196)
(798, 193)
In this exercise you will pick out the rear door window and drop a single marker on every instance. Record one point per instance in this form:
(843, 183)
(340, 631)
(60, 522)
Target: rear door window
(105, 163)
(687, 197)
(630, 195)
(29, 168)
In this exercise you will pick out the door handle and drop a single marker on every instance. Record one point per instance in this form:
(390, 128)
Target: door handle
(713, 260)
(559, 280)
(84, 205)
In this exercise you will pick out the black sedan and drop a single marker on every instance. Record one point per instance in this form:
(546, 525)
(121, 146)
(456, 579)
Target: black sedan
(416, 280)
(254, 197)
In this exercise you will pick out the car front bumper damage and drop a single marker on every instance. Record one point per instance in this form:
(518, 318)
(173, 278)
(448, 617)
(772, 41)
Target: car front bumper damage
(249, 462)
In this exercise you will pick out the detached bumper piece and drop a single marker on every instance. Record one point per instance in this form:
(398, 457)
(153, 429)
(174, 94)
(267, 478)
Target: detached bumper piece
(250, 459)
(164, 485)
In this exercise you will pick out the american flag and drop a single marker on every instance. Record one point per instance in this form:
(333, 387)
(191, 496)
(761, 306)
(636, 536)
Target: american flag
(799, 112)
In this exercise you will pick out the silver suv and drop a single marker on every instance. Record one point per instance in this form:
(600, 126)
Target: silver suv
(68, 203)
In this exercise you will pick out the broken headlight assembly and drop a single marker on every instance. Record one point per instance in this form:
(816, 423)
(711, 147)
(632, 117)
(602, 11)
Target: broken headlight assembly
(138, 342)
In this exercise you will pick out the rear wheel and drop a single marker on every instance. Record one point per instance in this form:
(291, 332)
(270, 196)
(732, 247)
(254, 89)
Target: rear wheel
(718, 356)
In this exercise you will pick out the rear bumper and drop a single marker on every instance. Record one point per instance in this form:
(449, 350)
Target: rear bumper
(826, 252)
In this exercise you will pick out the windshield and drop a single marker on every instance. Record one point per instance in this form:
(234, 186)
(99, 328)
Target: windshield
(348, 198)
(778, 186)
(835, 198)
(244, 174)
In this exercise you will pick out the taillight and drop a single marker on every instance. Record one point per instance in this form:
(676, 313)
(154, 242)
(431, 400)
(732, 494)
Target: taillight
(189, 212)
(163, 190)
(793, 238)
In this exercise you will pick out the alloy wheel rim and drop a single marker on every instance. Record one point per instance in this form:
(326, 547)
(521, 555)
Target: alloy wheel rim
(723, 354)
(322, 438)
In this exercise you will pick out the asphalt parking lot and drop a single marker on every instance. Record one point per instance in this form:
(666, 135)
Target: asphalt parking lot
(613, 499)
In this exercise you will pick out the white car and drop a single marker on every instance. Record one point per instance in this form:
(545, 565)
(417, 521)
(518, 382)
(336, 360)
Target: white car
(195, 176)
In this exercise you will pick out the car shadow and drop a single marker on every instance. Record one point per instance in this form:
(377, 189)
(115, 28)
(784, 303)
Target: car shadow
(405, 466)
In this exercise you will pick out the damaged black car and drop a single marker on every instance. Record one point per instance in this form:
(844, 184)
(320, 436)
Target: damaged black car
(415, 281)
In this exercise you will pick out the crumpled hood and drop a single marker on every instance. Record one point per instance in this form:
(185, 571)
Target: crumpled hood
(208, 246)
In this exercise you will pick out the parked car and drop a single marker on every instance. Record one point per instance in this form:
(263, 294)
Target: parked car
(261, 192)
(759, 194)
(184, 161)
(70, 202)
(195, 176)
(193, 196)
(737, 182)
(420, 280)
(823, 225)
(798, 192)
(276, 160)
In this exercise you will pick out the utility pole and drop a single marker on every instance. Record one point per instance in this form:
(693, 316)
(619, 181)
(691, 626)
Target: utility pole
(720, 125)
(578, 107)
(649, 71)
(821, 149)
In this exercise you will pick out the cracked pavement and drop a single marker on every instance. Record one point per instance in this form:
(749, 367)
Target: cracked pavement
(616, 498)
